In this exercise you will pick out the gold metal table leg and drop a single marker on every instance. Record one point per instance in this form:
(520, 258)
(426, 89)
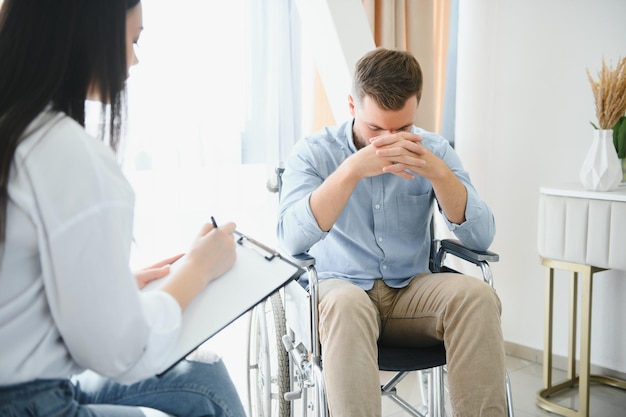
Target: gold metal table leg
(584, 378)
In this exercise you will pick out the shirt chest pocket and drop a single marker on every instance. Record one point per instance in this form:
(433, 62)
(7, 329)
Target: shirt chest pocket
(413, 213)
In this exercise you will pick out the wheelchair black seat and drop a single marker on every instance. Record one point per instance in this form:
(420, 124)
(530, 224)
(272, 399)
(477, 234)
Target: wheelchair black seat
(411, 359)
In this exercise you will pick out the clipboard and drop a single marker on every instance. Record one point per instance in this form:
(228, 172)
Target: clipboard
(258, 272)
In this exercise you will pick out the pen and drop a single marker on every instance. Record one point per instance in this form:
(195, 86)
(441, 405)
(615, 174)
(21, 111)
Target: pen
(214, 222)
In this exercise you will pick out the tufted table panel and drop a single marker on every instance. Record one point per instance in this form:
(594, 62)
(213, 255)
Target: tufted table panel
(581, 226)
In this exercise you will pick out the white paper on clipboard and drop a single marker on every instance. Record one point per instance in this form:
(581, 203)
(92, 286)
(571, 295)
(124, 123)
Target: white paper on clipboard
(257, 273)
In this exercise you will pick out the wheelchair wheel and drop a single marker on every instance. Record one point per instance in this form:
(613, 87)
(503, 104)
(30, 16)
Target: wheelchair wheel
(268, 361)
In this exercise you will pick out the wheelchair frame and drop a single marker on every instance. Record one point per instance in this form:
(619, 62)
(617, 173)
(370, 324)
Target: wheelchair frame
(276, 384)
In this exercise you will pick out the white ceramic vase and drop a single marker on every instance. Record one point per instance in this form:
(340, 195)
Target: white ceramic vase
(601, 169)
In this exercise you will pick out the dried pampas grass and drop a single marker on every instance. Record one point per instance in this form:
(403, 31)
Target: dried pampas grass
(609, 92)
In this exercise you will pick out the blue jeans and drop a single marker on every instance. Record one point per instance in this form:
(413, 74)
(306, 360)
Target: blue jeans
(190, 389)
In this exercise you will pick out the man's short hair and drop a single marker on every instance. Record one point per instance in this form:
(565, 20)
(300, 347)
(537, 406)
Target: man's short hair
(389, 77)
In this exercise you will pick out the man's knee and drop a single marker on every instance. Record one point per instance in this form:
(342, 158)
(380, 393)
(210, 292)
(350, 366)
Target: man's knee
(475, 294)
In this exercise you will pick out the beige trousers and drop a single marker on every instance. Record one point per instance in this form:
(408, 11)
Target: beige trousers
(462, 311)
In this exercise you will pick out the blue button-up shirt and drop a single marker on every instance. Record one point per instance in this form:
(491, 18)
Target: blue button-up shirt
(384, 229)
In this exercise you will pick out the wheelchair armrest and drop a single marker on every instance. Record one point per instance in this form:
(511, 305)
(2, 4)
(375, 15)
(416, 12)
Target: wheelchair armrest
(455, 247)
(477, 257)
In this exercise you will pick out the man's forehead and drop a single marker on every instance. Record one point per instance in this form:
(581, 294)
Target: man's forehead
(372, 115)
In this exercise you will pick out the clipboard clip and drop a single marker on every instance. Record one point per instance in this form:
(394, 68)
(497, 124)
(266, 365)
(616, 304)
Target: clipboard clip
(268, 254)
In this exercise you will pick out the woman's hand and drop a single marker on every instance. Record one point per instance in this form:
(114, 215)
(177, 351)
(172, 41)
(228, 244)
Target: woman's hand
(155, 271)
(212, 253)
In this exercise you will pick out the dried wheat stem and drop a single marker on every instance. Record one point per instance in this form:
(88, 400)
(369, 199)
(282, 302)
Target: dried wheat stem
(609, 93)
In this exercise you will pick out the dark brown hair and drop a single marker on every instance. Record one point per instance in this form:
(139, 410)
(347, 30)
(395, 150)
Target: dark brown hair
(51, 52)
(389, 77)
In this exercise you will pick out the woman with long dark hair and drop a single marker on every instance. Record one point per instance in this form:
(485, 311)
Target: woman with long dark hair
(68, 301)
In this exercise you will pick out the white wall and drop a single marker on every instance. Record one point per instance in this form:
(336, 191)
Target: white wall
(523, 112)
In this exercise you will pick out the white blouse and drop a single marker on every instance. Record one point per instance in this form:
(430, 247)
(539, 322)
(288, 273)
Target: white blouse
(68, 300)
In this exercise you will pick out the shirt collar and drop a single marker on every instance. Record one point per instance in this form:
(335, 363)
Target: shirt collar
(350, 135)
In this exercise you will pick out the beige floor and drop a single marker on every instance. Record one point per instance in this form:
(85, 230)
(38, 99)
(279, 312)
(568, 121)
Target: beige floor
(525, 380)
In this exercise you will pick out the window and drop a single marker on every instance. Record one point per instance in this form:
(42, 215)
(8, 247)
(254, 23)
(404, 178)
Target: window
(206, 113)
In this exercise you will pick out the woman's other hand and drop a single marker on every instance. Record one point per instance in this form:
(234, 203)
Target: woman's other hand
(153, 272)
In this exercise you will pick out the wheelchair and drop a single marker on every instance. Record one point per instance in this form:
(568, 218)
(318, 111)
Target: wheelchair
(284, 357)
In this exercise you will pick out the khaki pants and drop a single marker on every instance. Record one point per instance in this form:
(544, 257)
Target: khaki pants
(462, 311)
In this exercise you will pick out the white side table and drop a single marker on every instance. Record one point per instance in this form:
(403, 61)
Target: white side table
(583, 232)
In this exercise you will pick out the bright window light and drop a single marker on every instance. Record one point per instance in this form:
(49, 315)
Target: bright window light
(187, 108)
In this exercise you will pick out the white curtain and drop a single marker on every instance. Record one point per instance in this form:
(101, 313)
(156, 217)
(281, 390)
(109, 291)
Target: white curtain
(273, 118)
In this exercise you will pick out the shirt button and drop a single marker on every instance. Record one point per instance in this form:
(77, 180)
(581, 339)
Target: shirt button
(380, 239)
(377, 206)
(384, 266)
